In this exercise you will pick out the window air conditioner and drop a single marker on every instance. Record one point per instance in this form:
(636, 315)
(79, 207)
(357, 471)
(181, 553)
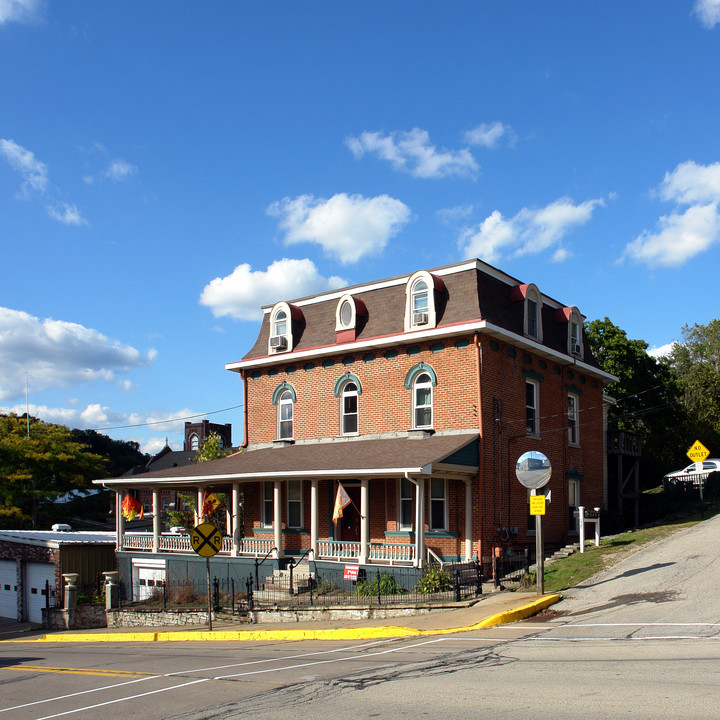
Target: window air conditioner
(575, 348)
(278, 342)
(420, 318)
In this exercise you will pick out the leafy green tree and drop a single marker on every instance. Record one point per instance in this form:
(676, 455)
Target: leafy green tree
(695, 363)
(121, 455)
(647, 396)
(38, 462)
(211, 449)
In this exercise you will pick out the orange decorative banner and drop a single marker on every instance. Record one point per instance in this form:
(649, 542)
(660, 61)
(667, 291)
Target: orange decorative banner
(342, 500)
(132, 507)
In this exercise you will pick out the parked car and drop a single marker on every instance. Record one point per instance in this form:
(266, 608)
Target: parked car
(690, 473)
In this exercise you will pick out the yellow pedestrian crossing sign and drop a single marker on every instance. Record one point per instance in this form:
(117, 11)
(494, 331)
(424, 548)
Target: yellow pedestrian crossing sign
(206, 540)
(698, 452)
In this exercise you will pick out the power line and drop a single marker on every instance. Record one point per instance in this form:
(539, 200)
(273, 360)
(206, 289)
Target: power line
(165, 422)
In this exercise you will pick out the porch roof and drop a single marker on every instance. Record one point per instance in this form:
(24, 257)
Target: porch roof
(386, 457)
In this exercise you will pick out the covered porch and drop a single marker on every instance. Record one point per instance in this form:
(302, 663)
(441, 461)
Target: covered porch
(412, 501)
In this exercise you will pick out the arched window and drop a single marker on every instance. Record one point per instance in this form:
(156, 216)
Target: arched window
(575, 326)
(281, 327)
(280, 323)
(349, 409)
(285, 414)
(422, 401)
(420, 310)
(194, 442)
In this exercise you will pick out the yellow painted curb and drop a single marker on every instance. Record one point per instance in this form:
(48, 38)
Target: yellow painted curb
(362, 633)
(520, 613)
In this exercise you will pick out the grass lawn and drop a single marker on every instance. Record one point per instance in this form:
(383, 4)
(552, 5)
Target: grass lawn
(572, 570)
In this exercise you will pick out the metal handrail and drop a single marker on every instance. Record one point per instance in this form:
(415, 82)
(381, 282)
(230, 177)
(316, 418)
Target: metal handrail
(258, 563)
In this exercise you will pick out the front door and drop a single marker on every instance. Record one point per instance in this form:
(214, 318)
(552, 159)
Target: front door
(349, 523)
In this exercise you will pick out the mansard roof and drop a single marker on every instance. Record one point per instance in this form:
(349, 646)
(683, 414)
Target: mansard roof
(470, 296)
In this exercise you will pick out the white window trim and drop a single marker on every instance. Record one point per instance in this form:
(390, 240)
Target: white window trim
(264, 501)
(353, 314)
(445, 527)
(299, 501)
(576, 319)
(416, 383)
(400, 526)
(576, 428)
(281, 306)
(532, 293)
(574, 528)
(431, 312)
(343, 415)
(280, 404)
(536, 396)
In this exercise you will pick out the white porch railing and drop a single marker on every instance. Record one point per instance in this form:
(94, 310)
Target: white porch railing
(381, 553)
(392, 552)
(338, 550)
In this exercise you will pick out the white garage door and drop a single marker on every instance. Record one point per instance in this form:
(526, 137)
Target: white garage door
(148, 578)
(8, 589)
(37, 575)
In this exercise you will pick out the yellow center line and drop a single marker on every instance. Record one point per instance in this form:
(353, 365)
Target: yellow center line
(76, 671)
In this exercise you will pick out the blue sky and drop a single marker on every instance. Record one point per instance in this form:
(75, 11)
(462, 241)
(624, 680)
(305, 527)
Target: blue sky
(168, 167)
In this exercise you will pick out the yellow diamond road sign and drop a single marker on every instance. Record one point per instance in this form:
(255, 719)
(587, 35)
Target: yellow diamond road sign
(206, 540)
(698, 452)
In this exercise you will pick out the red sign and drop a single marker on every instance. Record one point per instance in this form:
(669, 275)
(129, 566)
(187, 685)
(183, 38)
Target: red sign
(351, 572)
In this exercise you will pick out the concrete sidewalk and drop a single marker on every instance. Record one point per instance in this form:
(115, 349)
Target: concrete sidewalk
(487, 611)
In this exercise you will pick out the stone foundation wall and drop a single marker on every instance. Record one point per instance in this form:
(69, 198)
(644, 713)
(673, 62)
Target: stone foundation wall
(84, 616)
(155, 618)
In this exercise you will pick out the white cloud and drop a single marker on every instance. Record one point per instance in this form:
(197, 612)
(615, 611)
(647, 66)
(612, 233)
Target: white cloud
(347, 227)
(57, 354)
(681, 237)
(452, 215)
(242, 293)
(67, 214)
(19, 10)
(708, 12)
(662, 350)
(412, 152)
(119, 170)
(529, 232)
(33, 172)
(489, 135)
(691, 183)
(682, 234)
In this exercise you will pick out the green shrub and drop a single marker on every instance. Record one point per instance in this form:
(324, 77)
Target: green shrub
(388, 586)
(434, 580)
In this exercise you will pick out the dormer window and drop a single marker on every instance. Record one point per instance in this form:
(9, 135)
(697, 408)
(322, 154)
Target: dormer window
(420, 310)
(280, 329)
(572, 316)
(194, 442)
(532, 310)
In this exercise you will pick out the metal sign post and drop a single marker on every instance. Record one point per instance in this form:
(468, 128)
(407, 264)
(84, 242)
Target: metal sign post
(206, 541)
(533, 470)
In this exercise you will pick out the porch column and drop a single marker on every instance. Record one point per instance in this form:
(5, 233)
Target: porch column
(235, 519)
(119, 519)
(198, 506)
(468, 520)
(419, 521)
(314, 525)
(156, 520)
(277, 518)
(364, 522)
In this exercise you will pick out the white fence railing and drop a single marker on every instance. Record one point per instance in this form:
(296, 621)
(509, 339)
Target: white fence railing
(382, 553)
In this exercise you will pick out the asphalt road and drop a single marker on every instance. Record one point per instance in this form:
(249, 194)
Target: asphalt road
(641, 641)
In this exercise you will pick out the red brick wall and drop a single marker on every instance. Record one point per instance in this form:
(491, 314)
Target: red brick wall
(385, 405)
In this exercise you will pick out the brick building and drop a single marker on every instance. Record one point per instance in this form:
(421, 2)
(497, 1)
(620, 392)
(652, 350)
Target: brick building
(418, 394)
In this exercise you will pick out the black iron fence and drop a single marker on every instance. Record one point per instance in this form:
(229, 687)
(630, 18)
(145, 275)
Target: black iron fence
(512, 570)
(318, 587)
